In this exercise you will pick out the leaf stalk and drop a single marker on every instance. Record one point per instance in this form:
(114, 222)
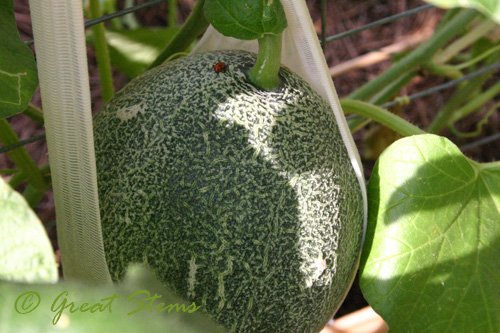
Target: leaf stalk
(195, 24)
(102, 53)
(381, 116)
(264, 74)
(21, 157)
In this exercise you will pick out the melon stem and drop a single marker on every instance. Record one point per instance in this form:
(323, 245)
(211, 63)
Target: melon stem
(264, 74)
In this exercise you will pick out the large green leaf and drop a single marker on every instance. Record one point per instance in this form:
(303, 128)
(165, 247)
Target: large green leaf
(249, 19)
(490, 8)
(49, 308)
(431, 261)
(132, 51)
(18, 75)
(25, 251)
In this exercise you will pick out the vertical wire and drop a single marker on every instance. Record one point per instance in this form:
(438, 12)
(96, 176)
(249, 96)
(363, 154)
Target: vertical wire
(323, 25)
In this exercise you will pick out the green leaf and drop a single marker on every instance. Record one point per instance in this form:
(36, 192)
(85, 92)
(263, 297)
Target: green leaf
(246, 19)
(57, 308)
(490, 8)
(18, 75)
(431, 257)
(132, 51)
(25, 251)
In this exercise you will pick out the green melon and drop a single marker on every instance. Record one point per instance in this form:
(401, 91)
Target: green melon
(242, 200)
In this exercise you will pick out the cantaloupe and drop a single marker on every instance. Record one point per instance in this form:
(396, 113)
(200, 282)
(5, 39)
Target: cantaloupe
(241, 200)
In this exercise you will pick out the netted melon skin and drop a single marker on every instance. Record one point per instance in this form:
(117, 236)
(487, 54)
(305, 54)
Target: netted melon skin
(241, 200)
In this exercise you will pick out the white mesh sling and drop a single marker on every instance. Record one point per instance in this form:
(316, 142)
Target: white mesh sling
(64, 84)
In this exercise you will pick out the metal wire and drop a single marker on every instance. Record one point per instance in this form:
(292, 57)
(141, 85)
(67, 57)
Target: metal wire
(444, 85)
(122, 12)
(21, 143)
(119, 13)
(480, 142)
(379, 22)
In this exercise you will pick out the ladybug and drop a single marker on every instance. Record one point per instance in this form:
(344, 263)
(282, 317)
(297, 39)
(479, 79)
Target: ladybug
(219, 67)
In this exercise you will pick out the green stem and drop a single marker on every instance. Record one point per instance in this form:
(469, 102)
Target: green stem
(448, 71)
(392, 88)
(21, 157)
(34, 113)
(17, 179)
(264, 74)
(479, 124)
(172, 14)
(195, 24)
(380, 115)
(110, 7)
(20, 176)
(442, 118)
(129, 20)
(478, 58)
(446, 113)
(448, 15)
(357, 122)
(476, 103)
(33, 195)
(8, 171)
(176, 56)
(419, 55)
(491, 165)
(102, 53)
(464, 42)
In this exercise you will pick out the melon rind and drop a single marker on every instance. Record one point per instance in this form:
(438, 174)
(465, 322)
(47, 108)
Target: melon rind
(241, 200)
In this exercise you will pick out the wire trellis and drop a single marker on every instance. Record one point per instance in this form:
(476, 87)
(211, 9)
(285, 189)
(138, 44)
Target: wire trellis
(323, 41)
(377, 23)
(443, 86)
(119, 13)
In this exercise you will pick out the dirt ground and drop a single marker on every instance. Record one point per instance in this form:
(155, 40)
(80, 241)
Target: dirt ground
(341, 15)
